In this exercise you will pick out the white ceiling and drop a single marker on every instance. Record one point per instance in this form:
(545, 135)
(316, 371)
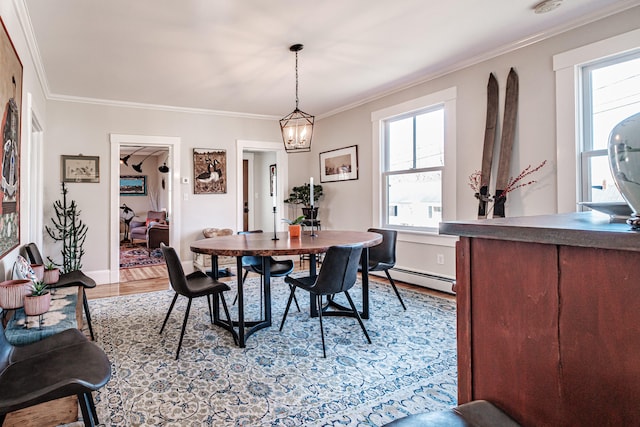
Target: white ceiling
(233, 55)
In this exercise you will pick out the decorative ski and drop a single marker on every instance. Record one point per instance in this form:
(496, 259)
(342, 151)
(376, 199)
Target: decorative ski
(489, 143)
(506, 143)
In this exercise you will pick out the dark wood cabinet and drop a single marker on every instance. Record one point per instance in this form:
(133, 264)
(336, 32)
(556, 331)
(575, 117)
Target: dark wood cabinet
(549, 318)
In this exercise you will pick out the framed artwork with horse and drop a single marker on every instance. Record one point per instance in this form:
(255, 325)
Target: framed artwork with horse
(209, 171)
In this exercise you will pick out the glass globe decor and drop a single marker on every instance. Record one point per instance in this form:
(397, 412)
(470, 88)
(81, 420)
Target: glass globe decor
(624, 161)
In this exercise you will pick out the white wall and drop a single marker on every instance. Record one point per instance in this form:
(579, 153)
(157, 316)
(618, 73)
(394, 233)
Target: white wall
(30, 85)
(72, 128)
(84, 128)
(348, 205)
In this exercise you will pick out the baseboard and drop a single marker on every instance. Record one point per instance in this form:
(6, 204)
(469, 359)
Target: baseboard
(420, 278)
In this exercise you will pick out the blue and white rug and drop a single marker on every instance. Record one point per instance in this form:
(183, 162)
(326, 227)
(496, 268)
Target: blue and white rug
(280, 378)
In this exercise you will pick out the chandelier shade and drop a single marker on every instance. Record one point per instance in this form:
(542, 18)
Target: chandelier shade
(297, 126)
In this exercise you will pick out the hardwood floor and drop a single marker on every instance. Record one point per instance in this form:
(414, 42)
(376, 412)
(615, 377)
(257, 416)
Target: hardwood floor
(152, 279)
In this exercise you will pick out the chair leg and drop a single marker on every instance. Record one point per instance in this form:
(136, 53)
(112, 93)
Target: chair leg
(319, 304)
(296, 301)
(175, 297)
(86, 413)
(226, 311)
(92, 406)
(184, 326)
(244, 277)
(87, 312)
(355, 311)
(286, 311)
(210, 309)
(393, 284)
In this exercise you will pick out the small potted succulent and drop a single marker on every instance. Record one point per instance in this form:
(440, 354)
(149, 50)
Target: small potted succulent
(39, 301)
(295, 225)
(51, 273)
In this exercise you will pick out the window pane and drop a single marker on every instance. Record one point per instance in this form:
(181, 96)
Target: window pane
(400, 144)
(615, 96)
(430, 139)
(602, 188)
(415, 199)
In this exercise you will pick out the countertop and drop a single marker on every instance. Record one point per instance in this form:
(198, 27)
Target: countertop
(587, 229)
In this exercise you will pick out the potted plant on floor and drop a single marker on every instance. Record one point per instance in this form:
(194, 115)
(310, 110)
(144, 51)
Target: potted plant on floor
(295, 225)
(39, 301)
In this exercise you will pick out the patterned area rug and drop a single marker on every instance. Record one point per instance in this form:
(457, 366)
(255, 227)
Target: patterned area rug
(137, 256)
(280, 378)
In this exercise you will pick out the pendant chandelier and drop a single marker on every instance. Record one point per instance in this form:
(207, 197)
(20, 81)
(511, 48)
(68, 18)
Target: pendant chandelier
(297, 127)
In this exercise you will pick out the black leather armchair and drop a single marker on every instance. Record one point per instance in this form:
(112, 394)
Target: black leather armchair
(338, 274)
(31, 252)
(61, 365)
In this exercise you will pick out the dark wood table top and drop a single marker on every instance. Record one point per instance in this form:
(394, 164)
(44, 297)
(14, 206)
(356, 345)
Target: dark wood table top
(261, 244)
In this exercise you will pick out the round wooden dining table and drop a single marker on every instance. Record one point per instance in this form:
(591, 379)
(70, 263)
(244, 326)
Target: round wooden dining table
(274, 244)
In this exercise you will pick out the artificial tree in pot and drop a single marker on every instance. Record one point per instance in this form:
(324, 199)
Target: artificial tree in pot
(69, 229)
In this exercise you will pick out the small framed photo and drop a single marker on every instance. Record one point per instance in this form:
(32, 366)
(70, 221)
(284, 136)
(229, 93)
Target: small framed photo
(339, 165)
(80, 168)
(133, 185)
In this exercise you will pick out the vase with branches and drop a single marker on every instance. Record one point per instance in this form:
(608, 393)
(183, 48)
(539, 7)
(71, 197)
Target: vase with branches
(69, 229)
(513, 184)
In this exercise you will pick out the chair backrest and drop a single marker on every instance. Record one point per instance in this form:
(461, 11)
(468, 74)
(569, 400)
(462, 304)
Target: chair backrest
(174, 268)
(161, 215)
(31, 253)
(385, 252)
(254, 261)
(339, 269)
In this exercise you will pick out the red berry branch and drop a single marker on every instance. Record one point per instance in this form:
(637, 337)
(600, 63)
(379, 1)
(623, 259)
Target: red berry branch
(513, 184)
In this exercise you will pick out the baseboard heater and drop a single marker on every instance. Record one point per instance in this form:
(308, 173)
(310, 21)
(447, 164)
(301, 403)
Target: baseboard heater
(419, 278)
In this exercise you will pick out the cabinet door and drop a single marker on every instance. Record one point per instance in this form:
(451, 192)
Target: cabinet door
(600, 335)
(512, 315)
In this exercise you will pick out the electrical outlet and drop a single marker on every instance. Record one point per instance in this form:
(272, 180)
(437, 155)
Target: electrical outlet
(440, 259)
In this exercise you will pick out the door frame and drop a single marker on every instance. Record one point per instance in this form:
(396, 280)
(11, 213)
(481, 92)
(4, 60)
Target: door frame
(282, 173)
(173, 145)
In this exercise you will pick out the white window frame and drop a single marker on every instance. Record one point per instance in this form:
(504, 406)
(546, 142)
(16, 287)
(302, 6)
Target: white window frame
(445, 98)
(569, 121)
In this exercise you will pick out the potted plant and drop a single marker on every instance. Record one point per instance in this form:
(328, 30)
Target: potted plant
(39, 301)
(295, 225)
(51, 273)
(301, 195)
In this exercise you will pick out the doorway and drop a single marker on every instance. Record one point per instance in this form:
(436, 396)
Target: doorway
(170, 146)
(257, 182)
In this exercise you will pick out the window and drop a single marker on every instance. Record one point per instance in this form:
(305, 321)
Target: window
(611, 93)
(416, 146)
(572, 119)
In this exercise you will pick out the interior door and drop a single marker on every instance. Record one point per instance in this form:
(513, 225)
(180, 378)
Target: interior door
(245, 195)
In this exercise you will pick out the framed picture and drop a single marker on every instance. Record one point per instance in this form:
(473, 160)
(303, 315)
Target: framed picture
(80, 168)
(339, 165)
(11, 101)
(209, 171)
(272, 179)
(133, 185)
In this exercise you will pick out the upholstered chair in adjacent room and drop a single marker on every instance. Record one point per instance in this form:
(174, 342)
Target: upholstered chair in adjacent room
(31, 252)
(196, 284)
(64, 364)
(338, 274)
(382, 257)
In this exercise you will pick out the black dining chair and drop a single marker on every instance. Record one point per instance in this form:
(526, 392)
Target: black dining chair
(196, 284)
(382, 257)
(61, 365)
(31, 252)
(338, 274)
(253, 264)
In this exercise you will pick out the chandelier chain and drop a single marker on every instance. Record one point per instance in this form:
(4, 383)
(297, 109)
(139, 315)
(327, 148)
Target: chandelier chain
(296, 80)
